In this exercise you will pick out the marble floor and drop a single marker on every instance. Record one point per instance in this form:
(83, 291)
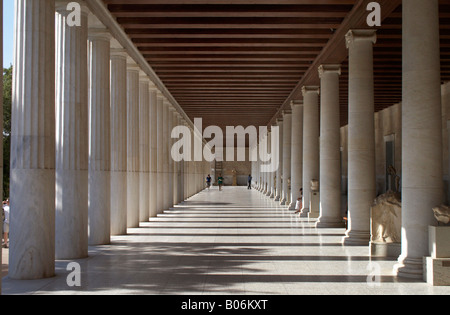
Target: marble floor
(231, 242)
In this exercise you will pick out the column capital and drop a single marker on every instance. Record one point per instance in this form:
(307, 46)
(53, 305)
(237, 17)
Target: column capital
(159, 95)
(310, 89)
(118, 53)
(143, 77)
(287, 111)
(329, 68)
(133, 67)
(95, 33)
(296, 104)
(152, 86)
(360, 35)
(279, 120)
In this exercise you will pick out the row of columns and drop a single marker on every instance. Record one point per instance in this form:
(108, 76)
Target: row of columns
(422, 139)
(91, 141)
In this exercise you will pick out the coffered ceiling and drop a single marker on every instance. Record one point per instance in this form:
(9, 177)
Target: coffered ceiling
(240, 62)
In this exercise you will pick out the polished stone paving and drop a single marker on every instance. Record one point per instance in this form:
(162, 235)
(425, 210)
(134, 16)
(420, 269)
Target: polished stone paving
(230, 242)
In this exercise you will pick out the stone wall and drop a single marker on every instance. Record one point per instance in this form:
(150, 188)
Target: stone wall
(388, 126)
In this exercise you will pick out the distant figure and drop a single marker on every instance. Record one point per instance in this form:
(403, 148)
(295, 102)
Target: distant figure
(299, 204)
(6, 223)
(220, 181)
(208, 181)
(250, 178)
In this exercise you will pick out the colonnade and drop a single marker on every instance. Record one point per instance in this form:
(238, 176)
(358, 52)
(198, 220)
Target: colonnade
(90, 153)
(91, 141)
(422, 175)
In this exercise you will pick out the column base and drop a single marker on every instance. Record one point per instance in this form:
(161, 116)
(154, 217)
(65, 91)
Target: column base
(283, 202)
(277, 198)
(304, 213)
(356, 238)
(272, 196)
(410, 268)
(292, 206)
(329, 223)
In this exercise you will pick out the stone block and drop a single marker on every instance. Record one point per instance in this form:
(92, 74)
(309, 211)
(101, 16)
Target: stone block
(439, 241)
(436, 271)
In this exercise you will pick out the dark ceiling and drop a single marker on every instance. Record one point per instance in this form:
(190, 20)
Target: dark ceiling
(239, 62)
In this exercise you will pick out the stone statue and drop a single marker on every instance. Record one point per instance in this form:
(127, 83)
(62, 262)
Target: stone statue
(387, 218)
(442, 214)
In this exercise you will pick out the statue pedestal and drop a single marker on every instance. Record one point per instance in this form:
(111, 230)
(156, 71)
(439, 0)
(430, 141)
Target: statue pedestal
(388, 250)
(437, 266)
(314, 205)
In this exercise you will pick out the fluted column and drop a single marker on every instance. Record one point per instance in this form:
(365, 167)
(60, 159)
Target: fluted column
(287, 136)
(330, 155)
(72, 141)
(296, 152)
(160, 150)
(153, 150)
(310, 143)
(165, 148)
(118, 141)
(99, 137)
(32, 253)
(133, 145)
(279, 185)
(170, 188)
(269, 175)
(422, 183)
(361, 136)
(144, 148)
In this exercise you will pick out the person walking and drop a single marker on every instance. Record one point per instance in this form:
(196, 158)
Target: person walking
(220, 182)
(6, 223)
(250, 178)
(208, 181)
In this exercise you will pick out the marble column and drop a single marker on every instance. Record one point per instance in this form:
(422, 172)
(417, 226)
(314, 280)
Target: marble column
(279, 184)
(118, 141)
(166, 153)
(296, 152)
(32, 245)
(132, 145)
(160, 151)
(144, 147)
(310, 143)
(72, 141)
(99, 137)
(330, 149)
(287, 136)
(269, 175)
(170, 188)
(422, 182)
(361, 136)
(154, 150)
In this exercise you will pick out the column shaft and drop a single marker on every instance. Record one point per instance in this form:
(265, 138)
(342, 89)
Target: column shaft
(422, 183)
(287, 136)
(153, 150)
(144, 148)
(296, 153)
(160, 150)
(361, 136)
(133, 146)
(99, 138)
(310, 143)
(118, 141)
(279, 184)
(330, 161)
(32, 254)
(72, 142)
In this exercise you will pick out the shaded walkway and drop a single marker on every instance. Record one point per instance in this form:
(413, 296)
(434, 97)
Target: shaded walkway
(230, 242)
